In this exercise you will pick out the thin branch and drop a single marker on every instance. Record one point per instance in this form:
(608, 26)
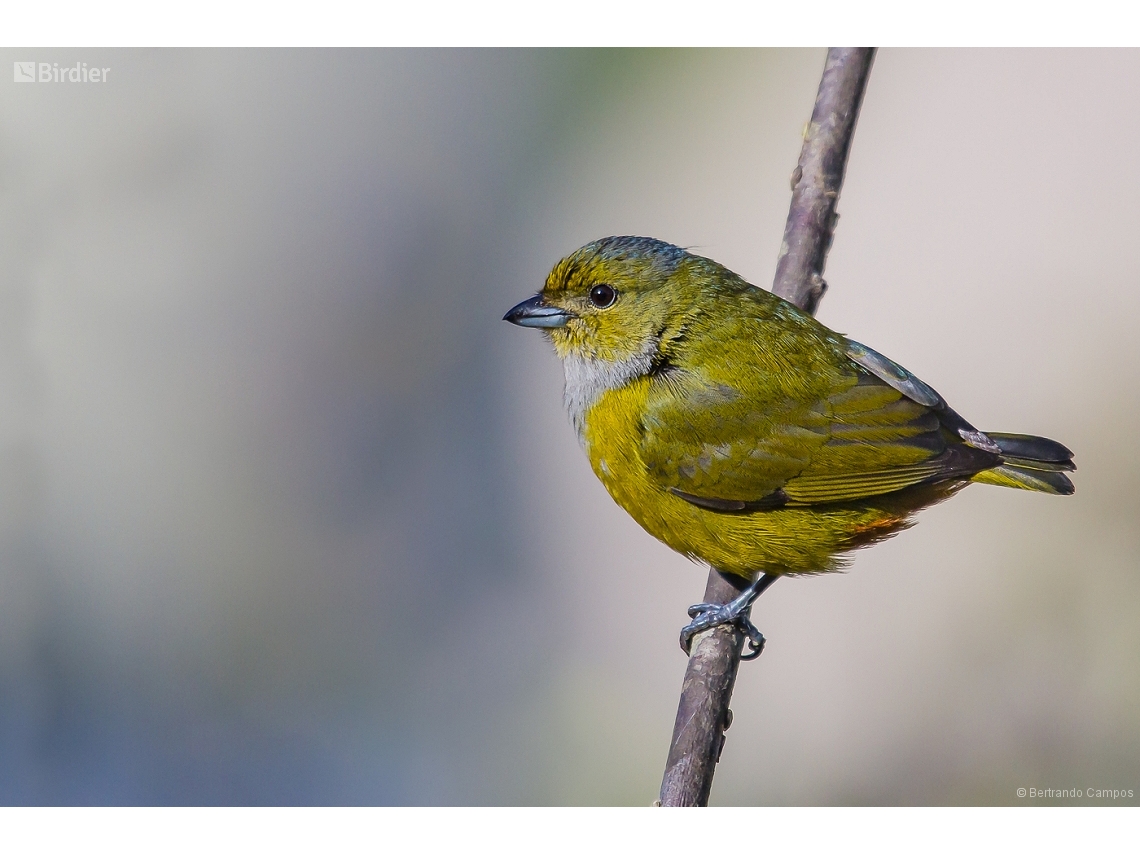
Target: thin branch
(703, 714)
(819, 175)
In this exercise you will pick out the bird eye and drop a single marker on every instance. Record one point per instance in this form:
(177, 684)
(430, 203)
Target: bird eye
(603, 296)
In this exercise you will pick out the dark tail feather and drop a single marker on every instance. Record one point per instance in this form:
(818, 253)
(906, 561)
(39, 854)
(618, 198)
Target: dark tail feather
(1030, 463)
(1032, 449)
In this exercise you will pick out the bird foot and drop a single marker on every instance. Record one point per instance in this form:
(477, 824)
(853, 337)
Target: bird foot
(736, 613)
(709, 615)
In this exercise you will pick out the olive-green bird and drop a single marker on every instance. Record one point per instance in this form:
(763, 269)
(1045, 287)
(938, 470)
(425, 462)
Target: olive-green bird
(742, 432)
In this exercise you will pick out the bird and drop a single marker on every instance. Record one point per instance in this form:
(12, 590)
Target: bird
(743, 433)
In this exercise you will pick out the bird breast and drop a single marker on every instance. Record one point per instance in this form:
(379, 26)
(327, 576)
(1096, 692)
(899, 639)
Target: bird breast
(587, 379)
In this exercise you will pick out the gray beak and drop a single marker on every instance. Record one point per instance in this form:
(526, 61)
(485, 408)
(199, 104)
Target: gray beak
(535, 313)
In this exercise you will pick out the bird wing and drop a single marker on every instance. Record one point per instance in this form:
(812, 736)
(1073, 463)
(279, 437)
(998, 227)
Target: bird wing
(847, 435)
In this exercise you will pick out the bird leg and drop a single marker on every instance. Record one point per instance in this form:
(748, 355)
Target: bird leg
(737, 611)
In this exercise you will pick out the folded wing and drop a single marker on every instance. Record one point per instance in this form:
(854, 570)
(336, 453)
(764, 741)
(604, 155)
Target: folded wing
(867, 429)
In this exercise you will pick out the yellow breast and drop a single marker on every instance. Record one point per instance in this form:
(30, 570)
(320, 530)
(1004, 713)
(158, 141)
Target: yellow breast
(787, 540)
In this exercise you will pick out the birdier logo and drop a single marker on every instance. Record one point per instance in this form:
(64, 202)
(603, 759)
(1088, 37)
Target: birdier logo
(53, 72)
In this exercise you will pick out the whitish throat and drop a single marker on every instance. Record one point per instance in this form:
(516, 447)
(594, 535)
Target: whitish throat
(588, 379)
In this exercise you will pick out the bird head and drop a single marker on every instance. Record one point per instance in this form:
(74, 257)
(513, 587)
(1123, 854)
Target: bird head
(611, 301)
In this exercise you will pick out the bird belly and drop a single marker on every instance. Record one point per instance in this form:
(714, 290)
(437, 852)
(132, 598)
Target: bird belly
(781, 541)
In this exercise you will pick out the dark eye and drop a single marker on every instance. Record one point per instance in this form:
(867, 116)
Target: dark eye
(603, 296)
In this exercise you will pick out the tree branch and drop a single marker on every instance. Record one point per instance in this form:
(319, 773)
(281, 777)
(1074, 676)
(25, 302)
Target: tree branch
(819, 175)
(703, 714)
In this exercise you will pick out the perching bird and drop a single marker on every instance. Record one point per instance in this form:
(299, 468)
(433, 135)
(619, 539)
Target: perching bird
(742, 432)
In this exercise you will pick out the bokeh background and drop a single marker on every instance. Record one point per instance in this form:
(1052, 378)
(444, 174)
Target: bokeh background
(289, 516)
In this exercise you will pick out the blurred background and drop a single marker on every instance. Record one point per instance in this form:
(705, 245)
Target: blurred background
(289, 516)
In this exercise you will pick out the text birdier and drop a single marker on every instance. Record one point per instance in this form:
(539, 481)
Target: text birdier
(53, 72)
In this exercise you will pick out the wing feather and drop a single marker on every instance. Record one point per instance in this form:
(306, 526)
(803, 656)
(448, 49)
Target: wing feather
(866, 429)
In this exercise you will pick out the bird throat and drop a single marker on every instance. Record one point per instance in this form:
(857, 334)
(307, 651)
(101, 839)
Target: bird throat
(587, 379)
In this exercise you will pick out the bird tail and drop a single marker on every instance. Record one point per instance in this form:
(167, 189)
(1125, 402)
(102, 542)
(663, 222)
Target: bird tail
(1030, 463)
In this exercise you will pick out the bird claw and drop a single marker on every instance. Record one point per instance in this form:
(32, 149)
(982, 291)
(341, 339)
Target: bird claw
(709, 615)
(702, 609)
(736, 613)
(755, 640)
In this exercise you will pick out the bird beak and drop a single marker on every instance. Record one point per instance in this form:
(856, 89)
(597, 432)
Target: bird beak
(535, 313)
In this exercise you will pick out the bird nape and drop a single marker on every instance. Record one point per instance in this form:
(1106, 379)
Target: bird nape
(742, 432)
